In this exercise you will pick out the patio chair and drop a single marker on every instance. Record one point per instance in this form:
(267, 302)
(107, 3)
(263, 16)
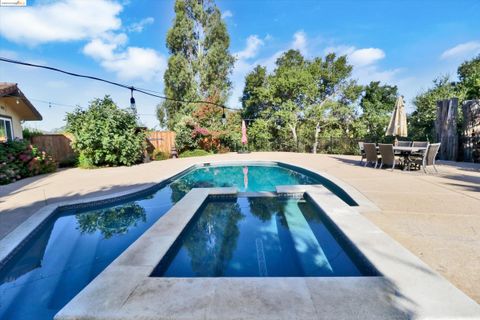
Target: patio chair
(404, 143)
(422, 144)
(428, 158)
(388, 156)
(362, 151)
(370, 154)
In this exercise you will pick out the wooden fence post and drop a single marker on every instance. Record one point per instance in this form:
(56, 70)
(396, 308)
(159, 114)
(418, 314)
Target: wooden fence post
(446, 128)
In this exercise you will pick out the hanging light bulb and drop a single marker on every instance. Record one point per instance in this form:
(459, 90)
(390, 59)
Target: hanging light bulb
(18, 101)
(132, 101)
(224, 117)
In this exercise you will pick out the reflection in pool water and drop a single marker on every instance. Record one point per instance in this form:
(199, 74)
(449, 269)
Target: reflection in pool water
(74, 246)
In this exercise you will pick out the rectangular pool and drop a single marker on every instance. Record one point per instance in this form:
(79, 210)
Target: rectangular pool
(261, 237)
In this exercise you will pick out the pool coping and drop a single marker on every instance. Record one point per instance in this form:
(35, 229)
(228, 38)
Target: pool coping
(407, 287)
(14, 241)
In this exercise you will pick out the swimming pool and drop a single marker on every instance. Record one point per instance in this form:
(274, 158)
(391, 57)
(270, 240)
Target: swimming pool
(74, 245)
(261, 237)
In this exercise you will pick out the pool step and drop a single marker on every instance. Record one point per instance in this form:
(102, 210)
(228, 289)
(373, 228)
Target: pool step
(309, 251)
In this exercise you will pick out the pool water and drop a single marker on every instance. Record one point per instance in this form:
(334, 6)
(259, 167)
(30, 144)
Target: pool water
(74, 246)
(260, 237)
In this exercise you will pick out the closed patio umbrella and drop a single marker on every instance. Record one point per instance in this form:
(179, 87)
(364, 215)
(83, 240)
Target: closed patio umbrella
(398, 122)
(244, 133)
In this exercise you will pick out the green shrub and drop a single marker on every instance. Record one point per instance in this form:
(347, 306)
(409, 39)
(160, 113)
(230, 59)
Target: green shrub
(194, 153)
(19, 159)
(30, 132)
(85, 162)
(105, 135)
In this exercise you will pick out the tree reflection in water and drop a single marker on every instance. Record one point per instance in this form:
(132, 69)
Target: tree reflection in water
(111, 221)
(213, 238)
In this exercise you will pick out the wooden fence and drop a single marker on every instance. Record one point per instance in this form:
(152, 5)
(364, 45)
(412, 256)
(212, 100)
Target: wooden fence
(57, 145)
(162, 140)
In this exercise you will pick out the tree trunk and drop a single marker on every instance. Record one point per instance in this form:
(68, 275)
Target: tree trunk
(315, 144)
(293, 128)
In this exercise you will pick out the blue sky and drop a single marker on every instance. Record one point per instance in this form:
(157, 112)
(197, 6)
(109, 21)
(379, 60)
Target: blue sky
(406, 43)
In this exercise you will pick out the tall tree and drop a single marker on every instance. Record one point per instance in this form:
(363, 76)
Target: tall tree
(179, 78)
(421, 121)
(293, 89)
(332, 108)
(469, 75)
(200, 63)
(255, 93)
(216, 62)
(377, 103)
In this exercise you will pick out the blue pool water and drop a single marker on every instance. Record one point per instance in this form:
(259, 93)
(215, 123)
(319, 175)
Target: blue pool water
(74, 246)
(260, 237)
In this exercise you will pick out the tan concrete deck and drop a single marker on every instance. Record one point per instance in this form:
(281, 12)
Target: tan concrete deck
(436, 217)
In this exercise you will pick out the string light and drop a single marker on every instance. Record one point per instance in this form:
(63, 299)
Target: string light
(131, 88)
(132, 101)
(224, 117)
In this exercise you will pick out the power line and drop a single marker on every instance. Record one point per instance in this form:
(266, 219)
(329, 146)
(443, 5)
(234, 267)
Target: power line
(148, 92)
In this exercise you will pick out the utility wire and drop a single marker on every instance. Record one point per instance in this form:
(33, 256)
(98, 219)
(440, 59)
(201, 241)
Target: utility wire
(131, 88)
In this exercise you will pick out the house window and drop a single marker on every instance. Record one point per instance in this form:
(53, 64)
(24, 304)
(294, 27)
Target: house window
(6, 131)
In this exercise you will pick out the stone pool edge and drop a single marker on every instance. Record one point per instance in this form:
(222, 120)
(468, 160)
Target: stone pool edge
(408, 288)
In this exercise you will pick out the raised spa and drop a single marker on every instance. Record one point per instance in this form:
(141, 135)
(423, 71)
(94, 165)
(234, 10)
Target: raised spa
(261, 237)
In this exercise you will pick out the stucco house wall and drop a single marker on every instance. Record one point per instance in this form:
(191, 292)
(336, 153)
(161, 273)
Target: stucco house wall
(7, 111)
(15, 106)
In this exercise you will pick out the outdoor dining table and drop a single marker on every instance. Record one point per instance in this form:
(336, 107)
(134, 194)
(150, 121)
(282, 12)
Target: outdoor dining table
(406, 152)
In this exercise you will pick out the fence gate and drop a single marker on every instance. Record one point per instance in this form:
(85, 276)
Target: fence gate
(162, 140)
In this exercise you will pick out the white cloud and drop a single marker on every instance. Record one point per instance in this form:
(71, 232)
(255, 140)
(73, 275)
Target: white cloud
(139, 26)
(373, 73)
(358, 57)
(227, 14)
(365, 57)
(462, 50)
(144, 63)
(300, 42)
(253, 45)
(102, 49)
(128, 63)
(60, 21)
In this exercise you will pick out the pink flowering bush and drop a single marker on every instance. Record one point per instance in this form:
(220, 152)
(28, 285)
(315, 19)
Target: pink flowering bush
(19, 159)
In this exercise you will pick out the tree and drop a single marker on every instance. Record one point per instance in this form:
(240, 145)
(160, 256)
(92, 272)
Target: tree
(292, 90)
(200, 63)
(377, 104)
(421, 121)
(105, 135)
(179, 78)
(255, 93)
(216, 62)
(259, 135)
(332, 105)
(469, 75)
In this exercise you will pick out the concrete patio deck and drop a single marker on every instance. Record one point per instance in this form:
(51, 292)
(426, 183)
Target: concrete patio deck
(436, 217)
